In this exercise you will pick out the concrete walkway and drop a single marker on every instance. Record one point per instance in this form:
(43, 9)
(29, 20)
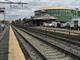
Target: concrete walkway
(60, 30)
(15, 52)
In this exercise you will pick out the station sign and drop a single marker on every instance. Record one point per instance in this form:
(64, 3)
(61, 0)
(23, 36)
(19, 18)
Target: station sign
(2, 10)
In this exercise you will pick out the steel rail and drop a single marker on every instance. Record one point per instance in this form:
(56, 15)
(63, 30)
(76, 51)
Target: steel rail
(67, 46)
(30, 52)
(43, 48)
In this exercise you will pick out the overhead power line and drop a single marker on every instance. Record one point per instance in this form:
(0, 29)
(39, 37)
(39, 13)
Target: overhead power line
(9, 2)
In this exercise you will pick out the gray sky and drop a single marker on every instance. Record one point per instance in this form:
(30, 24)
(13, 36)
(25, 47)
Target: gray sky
(33, 5)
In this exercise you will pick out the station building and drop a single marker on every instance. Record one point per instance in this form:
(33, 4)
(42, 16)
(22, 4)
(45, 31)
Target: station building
(63, 14)
(39, 21)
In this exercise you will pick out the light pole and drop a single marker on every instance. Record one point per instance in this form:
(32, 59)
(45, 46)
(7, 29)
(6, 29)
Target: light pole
(4, 14)
(77, 17)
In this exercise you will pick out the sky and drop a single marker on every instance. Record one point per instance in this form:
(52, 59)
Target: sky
(28, 9)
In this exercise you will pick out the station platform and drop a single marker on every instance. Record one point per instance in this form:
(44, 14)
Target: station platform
(4, 44)
(2, 33)
(15, 52)
(60, 30)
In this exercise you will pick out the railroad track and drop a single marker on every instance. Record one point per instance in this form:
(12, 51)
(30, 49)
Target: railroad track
(29, 51)
(63, 37)
(58, 34)
(61, 30)
(45, 49)
(61, 43)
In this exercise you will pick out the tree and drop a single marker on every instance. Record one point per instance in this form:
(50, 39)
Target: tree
(24, 20)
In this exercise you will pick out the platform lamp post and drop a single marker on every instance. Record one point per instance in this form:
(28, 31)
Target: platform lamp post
(77, 16)
(69, 24)
(4, 15)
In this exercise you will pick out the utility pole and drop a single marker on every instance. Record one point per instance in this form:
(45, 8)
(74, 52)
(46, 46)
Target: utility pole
(77, 12)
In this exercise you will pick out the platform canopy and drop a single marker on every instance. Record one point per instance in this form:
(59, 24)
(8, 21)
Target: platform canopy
(45, 17)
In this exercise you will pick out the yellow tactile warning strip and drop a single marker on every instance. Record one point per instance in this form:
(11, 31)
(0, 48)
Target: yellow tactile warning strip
(15, 52)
